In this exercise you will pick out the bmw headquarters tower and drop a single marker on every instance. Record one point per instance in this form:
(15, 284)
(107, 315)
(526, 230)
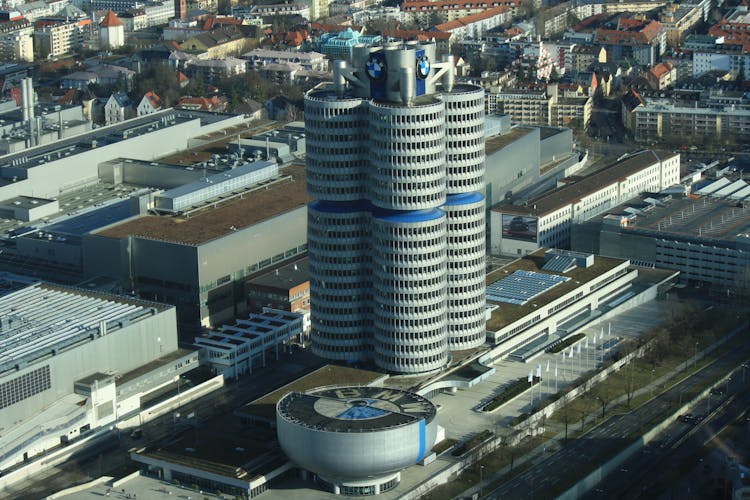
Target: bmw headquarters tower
(396, 231)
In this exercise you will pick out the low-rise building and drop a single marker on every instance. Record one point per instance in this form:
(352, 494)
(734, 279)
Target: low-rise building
(118, 108)
(713, 118)
(661, 76)
(546, 221)
(150, 103)
(56, 38)
(311, 61)
(642, 40)
(247, 344)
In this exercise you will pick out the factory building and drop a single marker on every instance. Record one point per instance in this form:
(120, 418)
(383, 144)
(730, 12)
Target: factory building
(72, 363)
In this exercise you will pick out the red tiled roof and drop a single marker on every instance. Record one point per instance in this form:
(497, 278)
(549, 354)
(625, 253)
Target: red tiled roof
(110, 20)
(661, 70)
(426, 5)
(634, 34)
(473, 18)
(153, 99)
(417, 34)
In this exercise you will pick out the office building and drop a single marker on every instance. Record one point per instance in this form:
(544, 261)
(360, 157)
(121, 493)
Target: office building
(396, 231)
(546, 220)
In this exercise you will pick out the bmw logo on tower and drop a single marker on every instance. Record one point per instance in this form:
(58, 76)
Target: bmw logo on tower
(423, 67)
(376, 67)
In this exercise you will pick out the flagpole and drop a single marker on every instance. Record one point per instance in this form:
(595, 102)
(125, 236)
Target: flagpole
(555, 375)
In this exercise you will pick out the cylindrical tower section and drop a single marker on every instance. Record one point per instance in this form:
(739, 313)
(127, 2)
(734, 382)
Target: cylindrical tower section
(465, 214)
(336, 147)
(464, 138)
(340, 292)
(407, 155)
(409, 277)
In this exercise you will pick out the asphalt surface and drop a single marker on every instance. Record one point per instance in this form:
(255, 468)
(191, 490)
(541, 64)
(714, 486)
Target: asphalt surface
(562, 469)
(637, 476)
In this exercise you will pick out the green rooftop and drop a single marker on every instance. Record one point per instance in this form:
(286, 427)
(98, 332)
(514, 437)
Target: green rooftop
(506, 313)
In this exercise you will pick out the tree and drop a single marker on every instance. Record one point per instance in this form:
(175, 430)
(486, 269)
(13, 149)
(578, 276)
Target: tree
(603, 396)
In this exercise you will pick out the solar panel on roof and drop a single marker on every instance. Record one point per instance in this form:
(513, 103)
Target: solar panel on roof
(522, 286)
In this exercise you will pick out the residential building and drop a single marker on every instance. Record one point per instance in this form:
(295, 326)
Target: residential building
(642, 40)
(229, 41)
(430, 13)
(101, 74)
(311, 61)
(728, 58)
(677, 20)
(474, 26)
(713, 118)
(16, 41)
(118, 108)
(56, 38)
(546, 221)
(661, 76)
(150, 103)
(213, 70)
(282, 9)
(396, 232)
(111, 32)
(133, 20)
(541, 106)
(734, 27)
(318, 9)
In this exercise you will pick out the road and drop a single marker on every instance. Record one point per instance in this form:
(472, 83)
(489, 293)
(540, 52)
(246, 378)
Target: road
(563, 468)
(636, 477)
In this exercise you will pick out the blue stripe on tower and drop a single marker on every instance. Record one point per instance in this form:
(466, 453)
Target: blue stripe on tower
(422, 439)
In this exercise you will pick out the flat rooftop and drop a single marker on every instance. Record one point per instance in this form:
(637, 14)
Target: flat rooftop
(287, 276)
(222, 219)
(128, 129)
(327, 375)
(498, 142)
(558, 198)
(508, 313)
(225, 447)
(705, 217)
(44, 317)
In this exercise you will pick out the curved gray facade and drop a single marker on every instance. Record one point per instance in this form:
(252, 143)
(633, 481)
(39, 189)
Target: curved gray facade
(348, 448)
(396, 235)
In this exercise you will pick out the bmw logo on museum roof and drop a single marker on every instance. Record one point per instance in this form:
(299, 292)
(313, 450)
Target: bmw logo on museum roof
(423, 67)
(376, 67)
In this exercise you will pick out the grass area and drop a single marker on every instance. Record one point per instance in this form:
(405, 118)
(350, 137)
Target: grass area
(472, 442)
(511, 391)
(443, 445)
(326, 375)
(508, 313)
(489, 465)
